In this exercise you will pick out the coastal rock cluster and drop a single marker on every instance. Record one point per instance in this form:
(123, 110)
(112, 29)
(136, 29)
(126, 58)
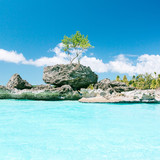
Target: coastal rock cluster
(134, 96)
(63, 83)
(75, 82)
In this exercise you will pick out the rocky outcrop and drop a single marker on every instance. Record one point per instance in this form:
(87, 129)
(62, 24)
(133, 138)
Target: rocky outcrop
(116, 86)
(17, 82)
(107, 91)
(135, 96)
(17, 88)
(77, 76)
(42, 92)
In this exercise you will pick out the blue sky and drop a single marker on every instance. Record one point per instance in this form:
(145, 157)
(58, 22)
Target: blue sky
(125, 34)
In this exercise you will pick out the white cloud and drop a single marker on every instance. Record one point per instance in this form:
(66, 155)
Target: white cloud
(144, 64)
(97, 65)
(120, 64)
(46, 61)
(59, 58)
(11, 56)
(148, 63)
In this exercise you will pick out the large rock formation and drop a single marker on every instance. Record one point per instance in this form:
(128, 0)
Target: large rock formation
(17, 82)
(116, 86)
(77, 76)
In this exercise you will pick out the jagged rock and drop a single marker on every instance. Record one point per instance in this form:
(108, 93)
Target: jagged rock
(88, 93)
(65, 89)
(148, 96)
(77, 76)
(110, 90)
(116, 86)
(17, 82)
(43, 87)
(103, 84)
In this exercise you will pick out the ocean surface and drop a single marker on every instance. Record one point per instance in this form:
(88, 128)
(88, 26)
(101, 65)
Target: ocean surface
(69, 130)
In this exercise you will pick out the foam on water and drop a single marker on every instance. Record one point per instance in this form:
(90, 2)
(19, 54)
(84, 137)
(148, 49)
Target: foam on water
(68, 130)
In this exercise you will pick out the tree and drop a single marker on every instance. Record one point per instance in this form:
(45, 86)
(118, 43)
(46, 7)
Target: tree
(153, 84)
(140, 81)
(158, 83)
(118, 78)
(132, 82)
(133, 77)
(75, 46)
(148, 80)
(125, 80)
(144, 81)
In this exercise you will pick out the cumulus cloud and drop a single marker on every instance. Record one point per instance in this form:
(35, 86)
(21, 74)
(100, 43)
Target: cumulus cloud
(120, 64)
(60, 57)
(148, 63)
(11, 56)
(97, 65)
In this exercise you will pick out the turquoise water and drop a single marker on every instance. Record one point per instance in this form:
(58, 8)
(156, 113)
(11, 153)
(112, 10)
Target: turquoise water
(38, 130)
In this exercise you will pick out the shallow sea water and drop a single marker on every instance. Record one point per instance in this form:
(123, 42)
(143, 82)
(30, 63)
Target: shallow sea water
(69, 130)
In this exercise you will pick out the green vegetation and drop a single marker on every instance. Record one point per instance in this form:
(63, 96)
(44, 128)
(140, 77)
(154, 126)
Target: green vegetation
(4, 94)
(125, 80)
(91, 86)
(142, 81)
(75, 46)
(118, 78)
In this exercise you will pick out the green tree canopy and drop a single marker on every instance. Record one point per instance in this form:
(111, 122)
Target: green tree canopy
(75, 46)
(133, 77)
(153, 84)
(143, 81)
(125, 80)
(158, 83)
(118, 78)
